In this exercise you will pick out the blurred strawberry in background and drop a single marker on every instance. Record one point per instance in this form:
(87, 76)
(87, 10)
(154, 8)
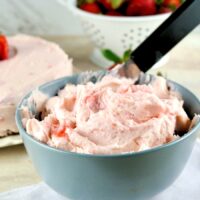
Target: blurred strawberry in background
(141, 7)
(106, 3)
(4, 49)
(173, 4)
(113, 13)
(91, 7)
(164, 9)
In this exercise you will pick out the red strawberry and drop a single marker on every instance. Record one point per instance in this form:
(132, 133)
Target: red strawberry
(106, 4)
(111, 4)
(4, 52)
(173, 4)
(91, 7)
(141, 7)
(164, 10)
(113, 13)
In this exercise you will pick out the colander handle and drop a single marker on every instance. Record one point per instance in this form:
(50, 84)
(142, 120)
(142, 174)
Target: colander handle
(167, 35)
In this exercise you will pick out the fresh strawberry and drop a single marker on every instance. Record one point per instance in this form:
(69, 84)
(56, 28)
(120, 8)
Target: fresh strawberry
(164, 10)
(141, 7)
(113, 13)
(60, 130)
(91, 7)
(106, 3)
(173, 4)
(4, 51)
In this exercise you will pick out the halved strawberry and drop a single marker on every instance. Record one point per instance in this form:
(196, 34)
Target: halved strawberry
(141, 7)
(4, 51)
(91, 7)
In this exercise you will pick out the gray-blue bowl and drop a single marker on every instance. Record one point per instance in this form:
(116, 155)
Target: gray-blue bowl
(131, 176)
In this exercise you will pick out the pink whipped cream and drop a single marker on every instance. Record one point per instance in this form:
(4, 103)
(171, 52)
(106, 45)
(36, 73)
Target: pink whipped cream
(110, 117)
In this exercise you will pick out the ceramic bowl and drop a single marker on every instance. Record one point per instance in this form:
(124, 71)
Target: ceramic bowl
(135, 176)
(115, 33)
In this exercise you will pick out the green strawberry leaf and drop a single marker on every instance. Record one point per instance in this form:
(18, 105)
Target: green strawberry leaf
(81, 2)
(126, 55)
(172, 7)
(108, 54)
(159, 2)
(90, 1)
(116, 3)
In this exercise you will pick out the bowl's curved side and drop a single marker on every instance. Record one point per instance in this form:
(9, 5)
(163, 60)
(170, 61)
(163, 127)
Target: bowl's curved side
(130, 176)
(135, 177)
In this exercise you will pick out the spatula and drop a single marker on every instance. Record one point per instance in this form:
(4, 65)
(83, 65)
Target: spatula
(159, 43)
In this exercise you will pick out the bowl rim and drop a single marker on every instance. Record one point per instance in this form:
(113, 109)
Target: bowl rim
(72, 6)
(23, 132)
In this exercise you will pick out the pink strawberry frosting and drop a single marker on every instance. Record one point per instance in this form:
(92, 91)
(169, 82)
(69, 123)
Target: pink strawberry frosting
(110, 117)
(33, 61)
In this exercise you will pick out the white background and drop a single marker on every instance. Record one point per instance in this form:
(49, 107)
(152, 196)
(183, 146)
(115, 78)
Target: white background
(44, 17)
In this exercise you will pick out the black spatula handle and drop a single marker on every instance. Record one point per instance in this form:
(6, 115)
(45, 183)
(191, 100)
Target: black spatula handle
(167, 35)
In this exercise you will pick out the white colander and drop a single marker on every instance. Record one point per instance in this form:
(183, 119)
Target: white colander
(115, 33)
